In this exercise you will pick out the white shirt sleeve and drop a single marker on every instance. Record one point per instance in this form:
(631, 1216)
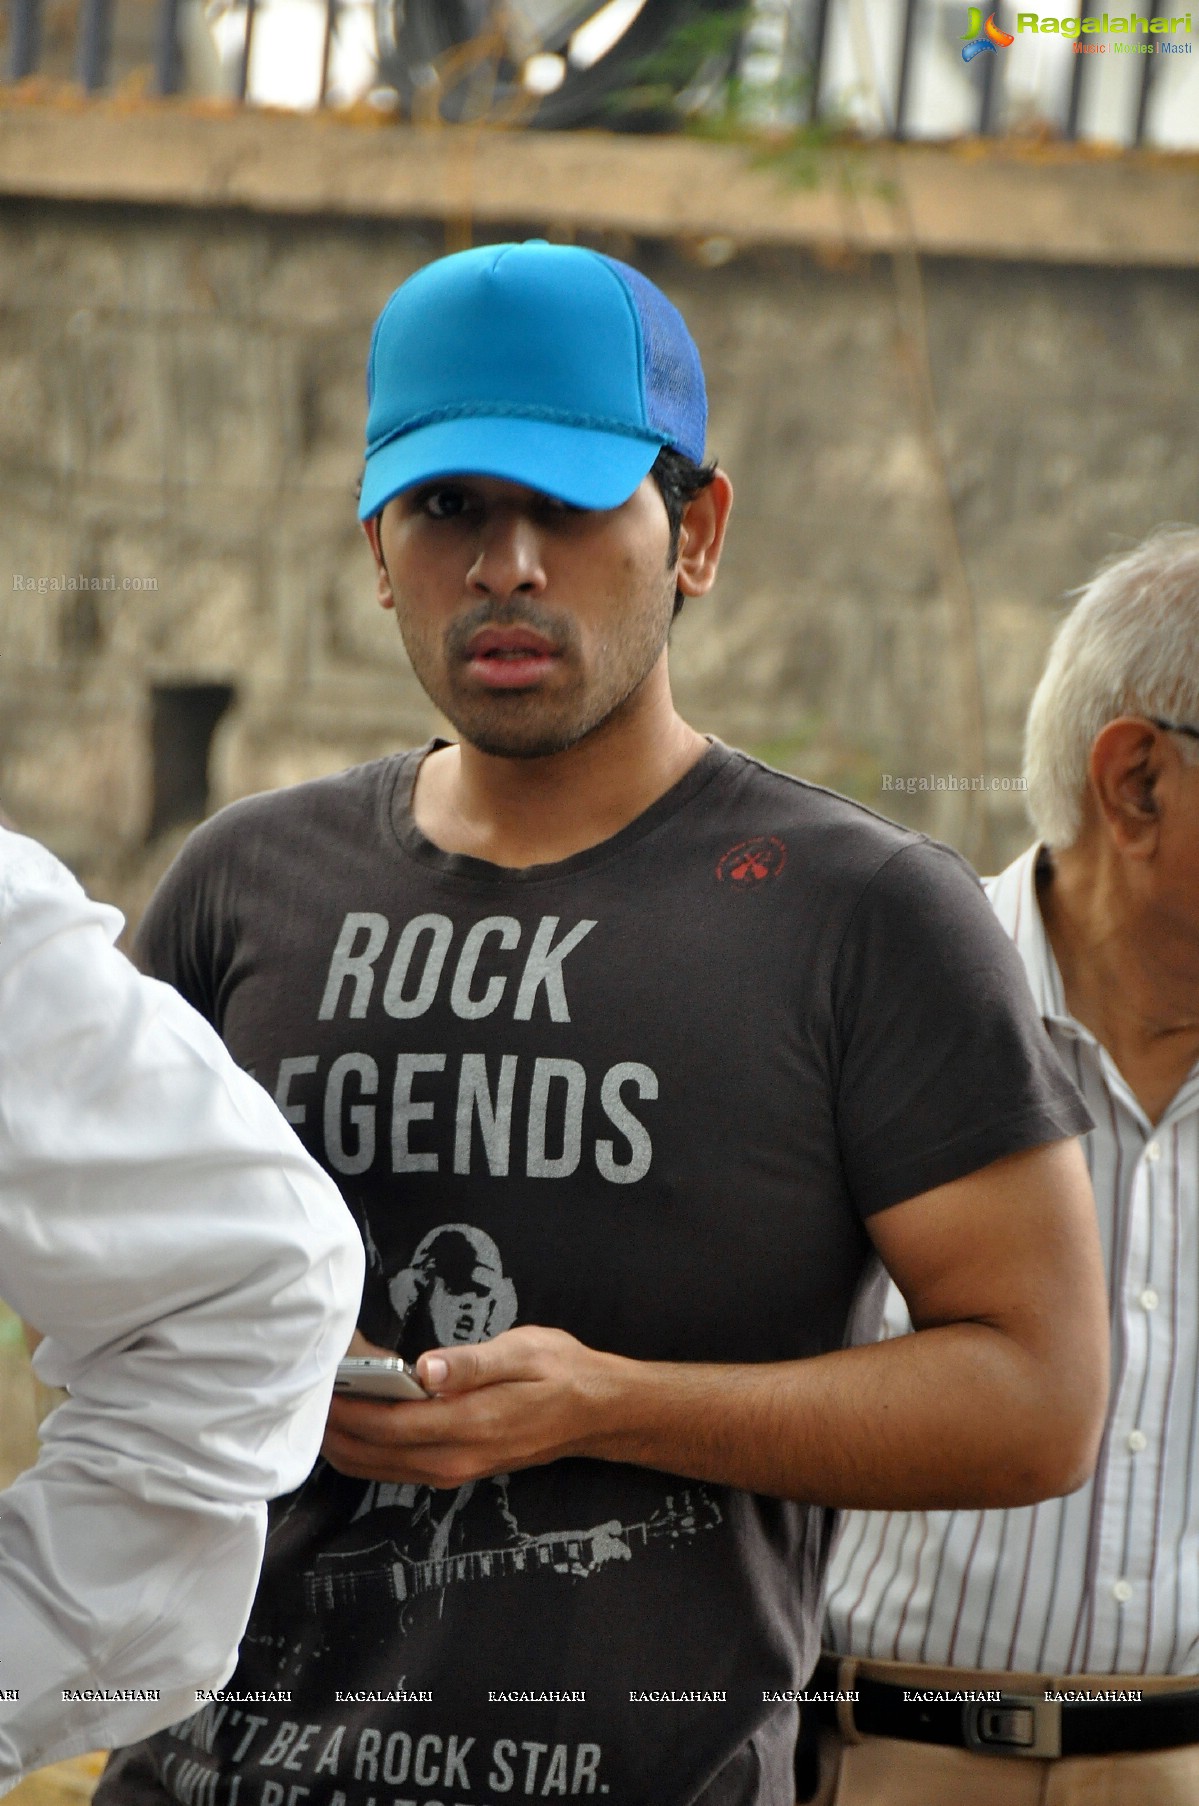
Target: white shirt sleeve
(196, 1277)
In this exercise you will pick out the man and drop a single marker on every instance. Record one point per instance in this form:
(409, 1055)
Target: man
(455, 1290)
(1097, 1593)
(196, 1278)
(684, 1039)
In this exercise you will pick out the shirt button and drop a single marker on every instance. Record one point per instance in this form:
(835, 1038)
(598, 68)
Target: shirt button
(1153, 1151)
(1137, 1440)
(1149, 1299)
(1122, 1591)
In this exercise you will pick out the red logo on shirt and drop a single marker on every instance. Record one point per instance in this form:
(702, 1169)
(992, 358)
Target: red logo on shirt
(752, 861)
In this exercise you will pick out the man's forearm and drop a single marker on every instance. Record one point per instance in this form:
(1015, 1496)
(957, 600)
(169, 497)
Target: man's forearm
(956, 1415)
(953, 1416)
(997, 1399)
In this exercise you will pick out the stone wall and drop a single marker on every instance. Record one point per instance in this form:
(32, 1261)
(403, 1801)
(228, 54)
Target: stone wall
(181, 405)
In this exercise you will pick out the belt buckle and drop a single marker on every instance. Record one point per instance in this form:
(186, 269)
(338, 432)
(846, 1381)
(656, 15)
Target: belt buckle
(1021, 1724)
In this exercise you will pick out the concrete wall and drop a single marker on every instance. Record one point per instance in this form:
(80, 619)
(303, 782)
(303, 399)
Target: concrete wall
(181, 401)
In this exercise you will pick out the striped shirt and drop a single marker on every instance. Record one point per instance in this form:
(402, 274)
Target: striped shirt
(1105, 1581)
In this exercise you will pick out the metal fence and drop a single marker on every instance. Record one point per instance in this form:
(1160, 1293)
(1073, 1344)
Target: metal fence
(93, 52)
(891, 68)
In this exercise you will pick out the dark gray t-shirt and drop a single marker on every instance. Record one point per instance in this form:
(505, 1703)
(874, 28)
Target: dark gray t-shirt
(649, 1095)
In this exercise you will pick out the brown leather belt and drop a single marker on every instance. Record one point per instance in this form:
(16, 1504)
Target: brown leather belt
(1017, 1724)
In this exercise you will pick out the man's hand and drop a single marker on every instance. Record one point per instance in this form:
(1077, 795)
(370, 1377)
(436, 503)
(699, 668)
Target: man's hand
(529, 1396)
(997, 1399)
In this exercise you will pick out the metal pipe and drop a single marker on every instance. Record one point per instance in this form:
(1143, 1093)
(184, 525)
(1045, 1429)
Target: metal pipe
(327, 48)
(819, 46)
(95, 43)
(167, 61)
(1078, 75)
(986, 105)
(25, 52)
(243, 74)
(905, 66)
(1074, 106)
(1145, 94)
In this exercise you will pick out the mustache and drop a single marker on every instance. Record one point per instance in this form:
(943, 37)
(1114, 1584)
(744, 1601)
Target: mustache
(559, 630)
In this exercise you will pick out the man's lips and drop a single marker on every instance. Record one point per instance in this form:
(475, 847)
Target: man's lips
(509, 658)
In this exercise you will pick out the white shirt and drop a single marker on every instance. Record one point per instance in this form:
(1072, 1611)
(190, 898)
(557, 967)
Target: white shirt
(196, 1277)
(1105, 1581)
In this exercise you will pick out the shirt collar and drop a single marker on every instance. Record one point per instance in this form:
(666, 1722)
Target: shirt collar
(1013, 896)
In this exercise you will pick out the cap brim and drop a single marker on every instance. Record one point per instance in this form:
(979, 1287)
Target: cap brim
(579, 465)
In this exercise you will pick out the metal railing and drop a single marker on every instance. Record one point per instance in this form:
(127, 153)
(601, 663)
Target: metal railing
(92, 61)
(878, 67)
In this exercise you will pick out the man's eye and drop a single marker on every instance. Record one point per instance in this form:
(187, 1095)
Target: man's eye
(554, 509)
(444, 504)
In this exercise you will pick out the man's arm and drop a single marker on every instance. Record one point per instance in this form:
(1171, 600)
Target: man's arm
(196, 1277)
(998, 1399)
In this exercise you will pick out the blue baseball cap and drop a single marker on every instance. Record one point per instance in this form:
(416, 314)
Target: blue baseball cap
(548, 365)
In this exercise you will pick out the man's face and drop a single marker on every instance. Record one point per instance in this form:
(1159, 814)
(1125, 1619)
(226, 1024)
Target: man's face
(1178, 878)
(528, 622)
(457, 1316)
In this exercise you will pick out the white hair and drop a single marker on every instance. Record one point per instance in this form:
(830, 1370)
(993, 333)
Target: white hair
(1129, 646)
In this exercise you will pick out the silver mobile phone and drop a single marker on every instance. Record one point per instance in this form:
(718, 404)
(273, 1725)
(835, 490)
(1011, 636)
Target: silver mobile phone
(374, 1377)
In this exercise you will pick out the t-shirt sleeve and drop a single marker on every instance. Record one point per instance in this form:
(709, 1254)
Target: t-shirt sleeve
(942, 1063)
(177, 937)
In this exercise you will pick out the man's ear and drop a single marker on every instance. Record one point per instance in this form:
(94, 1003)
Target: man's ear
(701, 536)
(383, 591)
(1128, 761)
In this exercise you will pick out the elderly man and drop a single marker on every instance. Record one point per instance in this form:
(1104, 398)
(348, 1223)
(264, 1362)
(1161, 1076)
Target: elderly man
(1085, 1607)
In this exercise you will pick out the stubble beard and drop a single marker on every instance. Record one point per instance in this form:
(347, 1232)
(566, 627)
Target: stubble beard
(525, 724)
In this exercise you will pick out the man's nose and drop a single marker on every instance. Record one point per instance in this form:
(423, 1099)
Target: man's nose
(509, 557)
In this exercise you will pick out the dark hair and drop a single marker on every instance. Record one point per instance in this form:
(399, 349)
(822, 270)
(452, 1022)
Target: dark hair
(679, 481)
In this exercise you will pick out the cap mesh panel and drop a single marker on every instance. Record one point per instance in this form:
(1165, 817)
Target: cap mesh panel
(676, 403)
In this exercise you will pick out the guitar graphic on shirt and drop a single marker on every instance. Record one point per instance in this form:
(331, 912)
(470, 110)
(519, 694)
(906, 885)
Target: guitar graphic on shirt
(334, 1583)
